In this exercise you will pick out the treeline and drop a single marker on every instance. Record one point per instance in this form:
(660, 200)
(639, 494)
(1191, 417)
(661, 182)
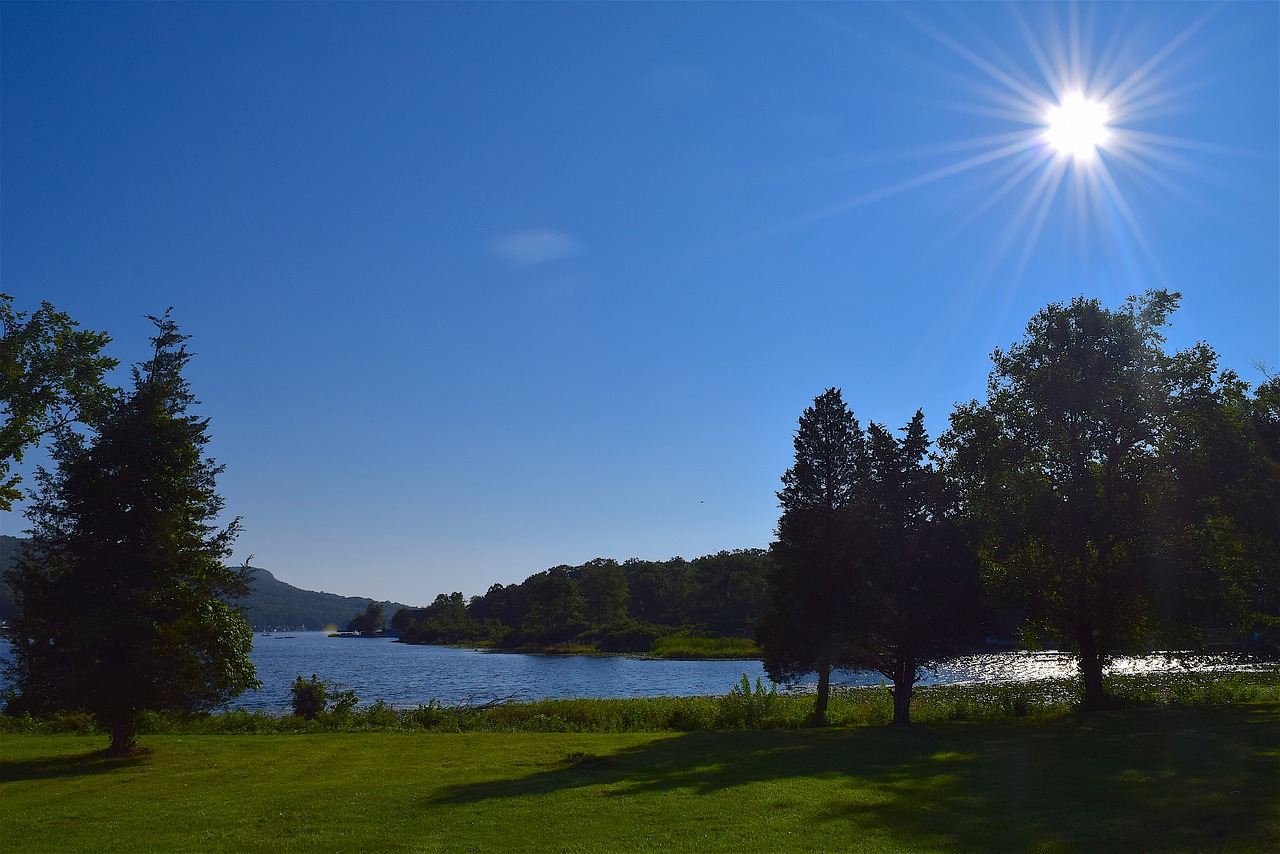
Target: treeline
(1112, 496)
(603, 604)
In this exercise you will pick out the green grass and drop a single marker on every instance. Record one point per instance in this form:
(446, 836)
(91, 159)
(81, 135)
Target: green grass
(686, 647)
(1166, 779)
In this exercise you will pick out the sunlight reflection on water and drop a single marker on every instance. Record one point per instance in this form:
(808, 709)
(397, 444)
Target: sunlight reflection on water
(405, 675)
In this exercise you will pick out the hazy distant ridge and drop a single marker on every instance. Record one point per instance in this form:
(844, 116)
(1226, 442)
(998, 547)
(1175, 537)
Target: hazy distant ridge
(273, 603)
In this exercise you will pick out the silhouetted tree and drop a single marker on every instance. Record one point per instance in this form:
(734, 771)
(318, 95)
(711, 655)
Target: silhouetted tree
(810, 583)
(917, 586)
(1066, 467)
(123, 594)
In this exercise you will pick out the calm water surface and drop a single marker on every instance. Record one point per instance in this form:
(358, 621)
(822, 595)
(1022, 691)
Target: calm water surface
(405, 675)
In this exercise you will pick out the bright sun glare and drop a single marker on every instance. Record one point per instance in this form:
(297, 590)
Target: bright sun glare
(1077, 126)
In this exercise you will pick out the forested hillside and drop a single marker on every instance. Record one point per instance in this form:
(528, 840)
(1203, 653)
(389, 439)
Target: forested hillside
(611, 606)
(272, 605)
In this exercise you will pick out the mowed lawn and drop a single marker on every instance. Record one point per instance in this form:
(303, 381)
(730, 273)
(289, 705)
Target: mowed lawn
(1175, 779)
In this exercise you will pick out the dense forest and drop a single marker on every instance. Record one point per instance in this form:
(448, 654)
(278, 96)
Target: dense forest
(604, 604)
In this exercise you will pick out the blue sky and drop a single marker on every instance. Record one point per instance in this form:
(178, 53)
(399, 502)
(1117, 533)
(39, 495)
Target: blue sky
(479, 289)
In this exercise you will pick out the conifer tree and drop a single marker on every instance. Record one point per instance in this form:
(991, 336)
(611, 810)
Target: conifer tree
(805, 630)
(125, 601)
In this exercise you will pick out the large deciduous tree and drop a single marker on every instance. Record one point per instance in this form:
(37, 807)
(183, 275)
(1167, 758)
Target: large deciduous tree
(51, 374)
(125, 601)
(1067, 471)
(805, 629)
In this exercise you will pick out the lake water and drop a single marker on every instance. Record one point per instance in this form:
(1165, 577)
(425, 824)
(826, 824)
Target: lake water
(406, 675)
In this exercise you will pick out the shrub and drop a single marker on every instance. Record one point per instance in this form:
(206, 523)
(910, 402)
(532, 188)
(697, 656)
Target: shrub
(312, 697)
(743, 708)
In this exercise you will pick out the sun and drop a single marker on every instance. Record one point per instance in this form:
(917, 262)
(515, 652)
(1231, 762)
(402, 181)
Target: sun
(1077, 127)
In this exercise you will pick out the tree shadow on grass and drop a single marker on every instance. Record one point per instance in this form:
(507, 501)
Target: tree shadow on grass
(1134, 780)
(80, 765)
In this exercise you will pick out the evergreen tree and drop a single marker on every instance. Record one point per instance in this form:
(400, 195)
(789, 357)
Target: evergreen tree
(919, 591)
(124, 598)
(806, 629)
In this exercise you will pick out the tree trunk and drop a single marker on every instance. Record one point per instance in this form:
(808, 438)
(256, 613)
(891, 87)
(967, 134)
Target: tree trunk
(1091, 670)
(824, 689)
(904, 681)
(124, 736)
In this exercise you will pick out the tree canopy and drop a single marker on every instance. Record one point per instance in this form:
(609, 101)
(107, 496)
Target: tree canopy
(873, 568)
(51, 374)
(123, 594)
(1072, 469)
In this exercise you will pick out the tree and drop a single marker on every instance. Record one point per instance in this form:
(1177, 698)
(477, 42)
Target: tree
(1065, 468)
(370, 621)
(1218, 514)
(604, 591)
(732, 591)
(51, 374)
(555, 608)
(918, 590)
(805, 630)
(125, 602)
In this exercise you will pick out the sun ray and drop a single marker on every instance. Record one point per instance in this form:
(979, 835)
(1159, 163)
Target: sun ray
(1037, 226)
(1034, 160)
(1016, 86)
(1075, 101)
(999, 249)
(1138, 76)
(1028, 141)
(1116, 198)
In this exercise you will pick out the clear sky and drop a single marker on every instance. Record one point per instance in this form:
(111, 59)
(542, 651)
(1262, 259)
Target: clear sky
(479, 289)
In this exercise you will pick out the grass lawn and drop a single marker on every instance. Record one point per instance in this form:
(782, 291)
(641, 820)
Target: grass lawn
(1204, 778)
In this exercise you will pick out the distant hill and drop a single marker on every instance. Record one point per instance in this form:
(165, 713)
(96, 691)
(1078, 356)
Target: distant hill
(277, 605)
(272, 605)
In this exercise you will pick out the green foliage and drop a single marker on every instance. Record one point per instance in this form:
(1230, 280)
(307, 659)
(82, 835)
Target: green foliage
(122, 589)
(629, 636)
(744, 708)
(602, 606)
(51, 374)
(1089, 468)
(678, 646)
(311, 698)
(368, 622)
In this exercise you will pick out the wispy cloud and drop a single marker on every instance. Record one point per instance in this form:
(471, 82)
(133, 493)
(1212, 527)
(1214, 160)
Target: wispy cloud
(535, 246)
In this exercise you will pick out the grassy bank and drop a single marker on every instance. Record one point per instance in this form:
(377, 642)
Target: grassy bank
(1168, 779)
(744, 706)
(698, 648)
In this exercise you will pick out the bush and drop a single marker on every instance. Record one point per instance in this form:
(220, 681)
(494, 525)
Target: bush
(743, 708)
(312, 697)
